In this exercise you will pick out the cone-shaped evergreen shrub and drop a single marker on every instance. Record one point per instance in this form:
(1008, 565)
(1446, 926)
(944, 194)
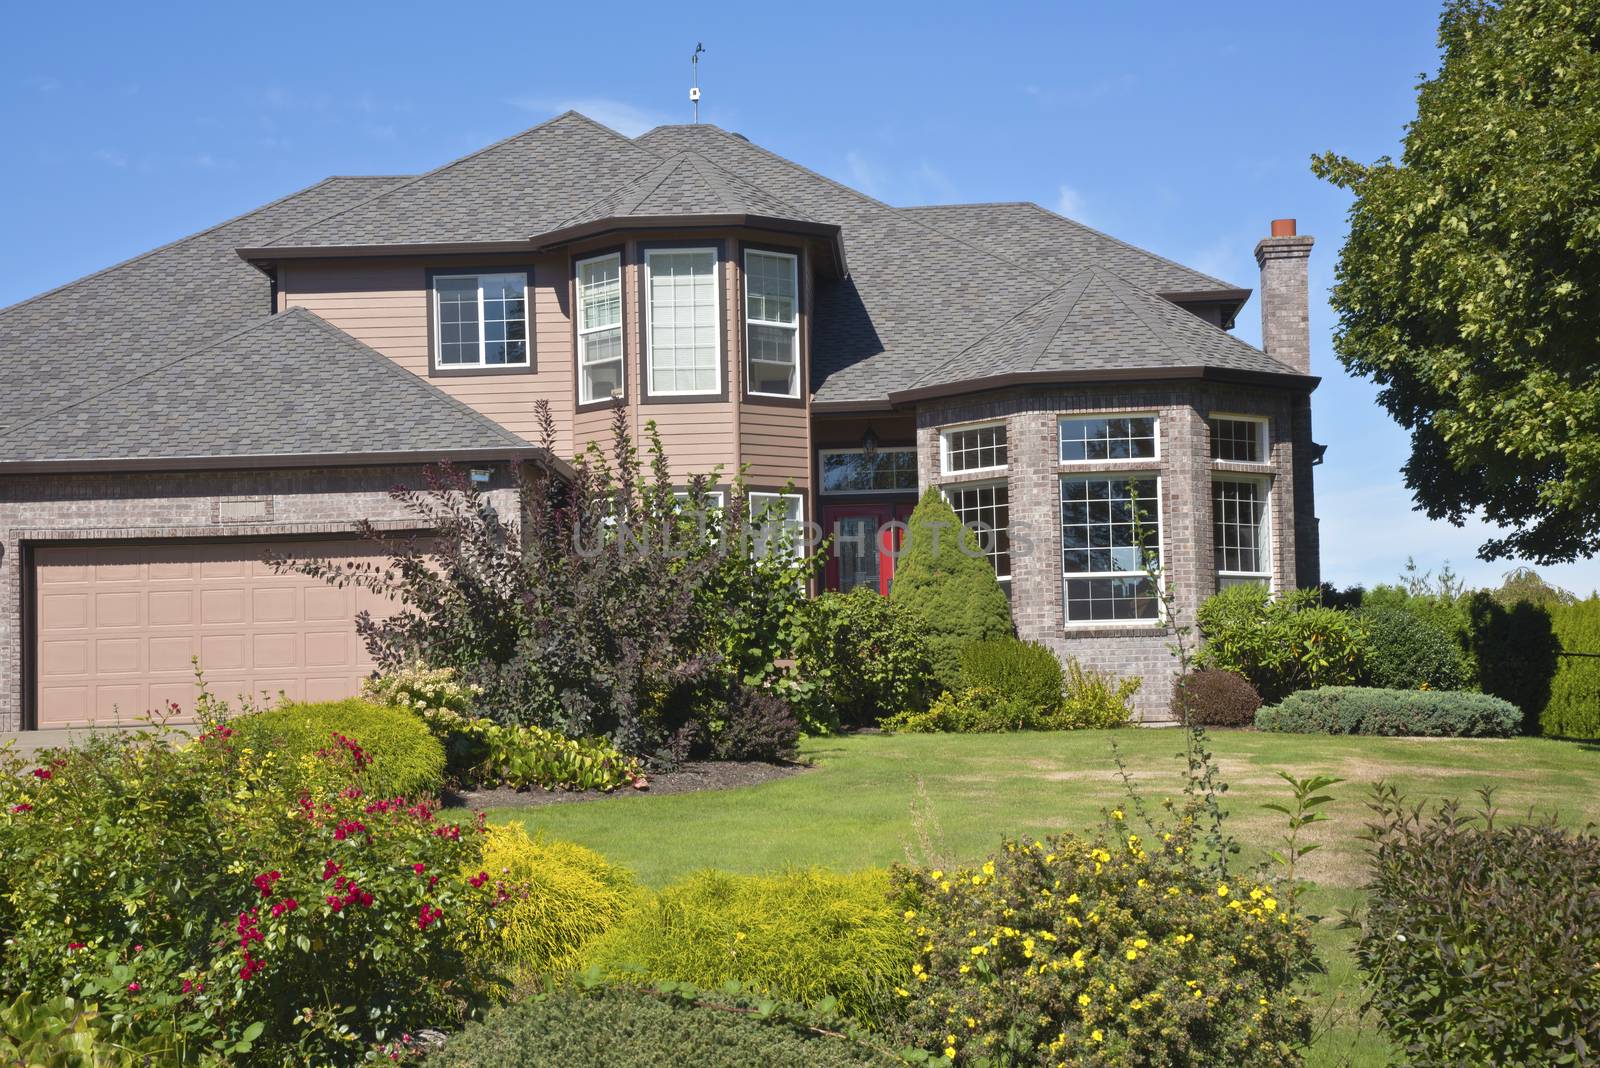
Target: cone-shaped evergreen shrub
(944, 578)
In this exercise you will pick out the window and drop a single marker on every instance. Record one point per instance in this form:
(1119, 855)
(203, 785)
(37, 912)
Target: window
(1239, 530)
(859, 471)
(1112, 437)
(1102, 562)
(600, 375)
(685, 339)
(772, 325)
(481, 320)
(986, 509)
(1239, 440)
(977, 448)
(778, 519)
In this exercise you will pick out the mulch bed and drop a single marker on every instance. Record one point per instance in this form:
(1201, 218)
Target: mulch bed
(688, 778)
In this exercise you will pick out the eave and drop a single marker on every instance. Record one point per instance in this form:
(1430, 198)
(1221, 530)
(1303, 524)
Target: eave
(267, 461)
(1015, 379)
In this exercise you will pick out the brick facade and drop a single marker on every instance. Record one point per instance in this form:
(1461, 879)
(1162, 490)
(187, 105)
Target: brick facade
(210, 504)
(1185, 469)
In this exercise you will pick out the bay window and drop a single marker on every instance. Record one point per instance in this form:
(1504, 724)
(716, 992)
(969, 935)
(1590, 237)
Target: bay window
(985, 508)
(772, 323)
(1239, 519)
(1105, 554)
(1108, 437)
(973, 448)
(683, 343)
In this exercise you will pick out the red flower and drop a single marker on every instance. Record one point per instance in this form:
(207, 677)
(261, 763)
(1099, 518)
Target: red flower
(329, 870)
(134, 987)
(347, 828)
(73, 947)
(21, 806)
(419, 867)
(433, 881)
(138, 948)
(264, 881)
(428, 917)
(251, 966)
(449, 830)
(288, 904)
(42, 773)
(479, 879)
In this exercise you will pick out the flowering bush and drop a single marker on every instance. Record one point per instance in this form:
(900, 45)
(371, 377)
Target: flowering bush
(205, 906)
(1108, 952)
(435, 694)
(389, 751)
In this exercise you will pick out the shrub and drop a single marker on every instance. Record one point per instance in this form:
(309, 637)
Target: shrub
(560, 896)
(203, 899)
(975, 710)
(1021, 671)
(1405, 652)
(1573, 710)
(1359, 710)
(522, 757)
(1069, 951)
(611, 1027)
(1481, 937)
(760, 725)
(1211, 698)
(1281, 645)
(395, 754)
(946, 582)
(1516, 651)
(803, 936)
(866, 657)
(445, 703)
(1094, 700)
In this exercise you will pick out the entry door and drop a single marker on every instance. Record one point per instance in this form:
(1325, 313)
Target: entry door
(863, 544)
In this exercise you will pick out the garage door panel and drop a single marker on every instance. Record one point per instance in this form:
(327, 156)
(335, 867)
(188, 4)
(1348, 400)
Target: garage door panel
(118, 626)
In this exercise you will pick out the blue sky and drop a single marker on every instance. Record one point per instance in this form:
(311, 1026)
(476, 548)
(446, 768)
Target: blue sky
(1180, 127)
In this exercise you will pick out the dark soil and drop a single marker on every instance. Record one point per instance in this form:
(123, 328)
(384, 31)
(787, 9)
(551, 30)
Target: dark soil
(688, 778)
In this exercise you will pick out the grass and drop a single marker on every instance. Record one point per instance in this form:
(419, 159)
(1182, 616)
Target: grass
(859, 808)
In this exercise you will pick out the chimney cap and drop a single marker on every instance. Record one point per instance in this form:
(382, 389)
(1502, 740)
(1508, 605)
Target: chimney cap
(1283, 228)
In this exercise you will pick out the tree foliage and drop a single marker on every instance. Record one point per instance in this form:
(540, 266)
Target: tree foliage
(1469, 287)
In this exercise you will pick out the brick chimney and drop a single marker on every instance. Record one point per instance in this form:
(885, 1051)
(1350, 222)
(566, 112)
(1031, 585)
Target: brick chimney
(1285, 295)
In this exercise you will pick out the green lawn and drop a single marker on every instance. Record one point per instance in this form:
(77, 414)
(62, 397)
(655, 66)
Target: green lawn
(860, 807)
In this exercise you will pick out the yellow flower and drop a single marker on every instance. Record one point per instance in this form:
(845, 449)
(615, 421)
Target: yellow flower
(1116, 813)
(1072, 900)
(738, 936)
(950, 1051)
(1140, 943)
(911, 914)
(1083, 999)
(936, 875)
(971, 1023)
(1133, 954)
(988, 867)
(1222, 890)
(1270, 904)
(1096, 1035)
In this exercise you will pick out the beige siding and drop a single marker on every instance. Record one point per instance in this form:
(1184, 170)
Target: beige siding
(775, 444)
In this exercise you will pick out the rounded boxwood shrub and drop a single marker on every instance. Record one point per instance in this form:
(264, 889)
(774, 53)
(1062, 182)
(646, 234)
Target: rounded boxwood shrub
(1017, 670)
(394, 751)
(613, 1027)
(1406, 652)
(1422, 713)
(802, 936)
(1214, 698)
(555, 898)
(863, 656)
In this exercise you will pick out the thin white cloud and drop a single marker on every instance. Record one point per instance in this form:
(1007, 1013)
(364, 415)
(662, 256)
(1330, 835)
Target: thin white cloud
(623, 117)
(919, 183)
(861, 173)
(1069, 202)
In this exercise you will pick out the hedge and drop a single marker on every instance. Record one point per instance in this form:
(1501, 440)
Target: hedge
(1573, 710)
(1360, 710)
(399, 755)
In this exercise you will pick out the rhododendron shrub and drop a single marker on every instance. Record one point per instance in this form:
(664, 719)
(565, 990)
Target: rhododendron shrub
(194, 897)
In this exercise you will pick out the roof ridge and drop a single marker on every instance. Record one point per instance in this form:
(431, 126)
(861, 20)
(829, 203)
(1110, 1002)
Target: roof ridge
(1165, 306)
(667, 167)
(7, 432)
(175, 242)
(740, 179)
(1139, 313)
(980, 339)
(718, 182)
(1081, 280)
(569, 113)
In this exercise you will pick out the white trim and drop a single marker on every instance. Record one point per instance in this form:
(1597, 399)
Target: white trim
(951, 488)
(1161, 553)
(719, 376)
(1265, 482)
(799, 521)
(1089, 464)
(584, 334)
(794, 327)
(958, 428)
(822, 473)
(1263, 436)
(438, 323)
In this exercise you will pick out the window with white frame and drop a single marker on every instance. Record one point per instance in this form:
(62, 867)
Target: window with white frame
(480, 320)
(778, 520)
(973, 448)
(1239, 532)
(684, 345)
(1239, 439)
(772, 323)
(1105, 554)
(1108, 437)
(600, 374)
(868, 471)
(985, 509)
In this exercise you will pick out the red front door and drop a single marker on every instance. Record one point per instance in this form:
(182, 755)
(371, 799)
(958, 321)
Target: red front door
(865, 538)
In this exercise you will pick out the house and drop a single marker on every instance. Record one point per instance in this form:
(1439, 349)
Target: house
(259, 386)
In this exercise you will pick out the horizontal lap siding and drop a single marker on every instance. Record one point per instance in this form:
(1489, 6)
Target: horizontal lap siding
(386, 306)
(774, 443)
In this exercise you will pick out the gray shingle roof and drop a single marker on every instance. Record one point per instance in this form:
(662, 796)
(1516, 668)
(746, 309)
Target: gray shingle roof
(1028, 234)
(686, 184)
(1099, 322)
(61, 345)
(286, 385)
(524, 185)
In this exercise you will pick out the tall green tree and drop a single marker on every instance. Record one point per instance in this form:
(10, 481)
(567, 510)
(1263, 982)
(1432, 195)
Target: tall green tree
(944, 579)
(1469, 288)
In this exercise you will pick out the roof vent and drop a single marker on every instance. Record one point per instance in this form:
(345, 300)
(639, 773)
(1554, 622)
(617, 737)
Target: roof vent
(739, 135)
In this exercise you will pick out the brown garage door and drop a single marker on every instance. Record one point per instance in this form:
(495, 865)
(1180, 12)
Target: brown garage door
(115, 627)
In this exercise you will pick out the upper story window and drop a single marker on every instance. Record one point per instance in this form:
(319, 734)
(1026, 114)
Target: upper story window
(860, 471)
(1241, 439)
(684, 341)
(600, 374)
(1111, 437)
(974, 448)
(481, 320)
(772, 323)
